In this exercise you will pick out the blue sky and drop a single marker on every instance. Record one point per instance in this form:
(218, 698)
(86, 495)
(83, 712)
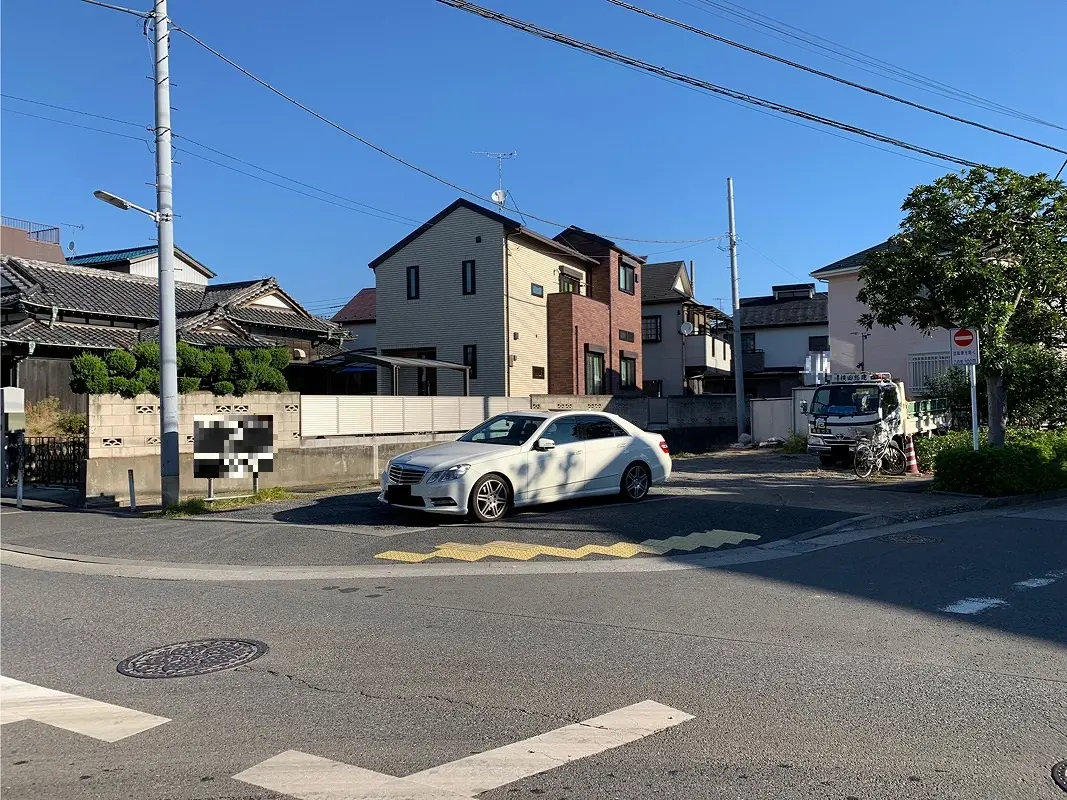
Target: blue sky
(600, 146)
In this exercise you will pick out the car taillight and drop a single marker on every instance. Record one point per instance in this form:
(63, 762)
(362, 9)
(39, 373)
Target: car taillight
(664, 447)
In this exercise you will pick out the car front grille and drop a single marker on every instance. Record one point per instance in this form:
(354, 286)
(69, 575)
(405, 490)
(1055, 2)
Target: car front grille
(406, 475)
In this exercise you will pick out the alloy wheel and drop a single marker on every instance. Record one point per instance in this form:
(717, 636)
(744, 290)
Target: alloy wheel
(635, 482)
(492, 498)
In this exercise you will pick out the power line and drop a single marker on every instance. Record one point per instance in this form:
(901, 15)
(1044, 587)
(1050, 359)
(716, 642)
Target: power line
(734, 12)
(390, 218)
(393, 156)
(832, 77)
(766, 257)
(586, 47)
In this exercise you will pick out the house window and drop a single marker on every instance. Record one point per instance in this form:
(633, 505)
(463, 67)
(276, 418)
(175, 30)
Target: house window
(539, 373)
(594, 372)
(470, 359)
(652, 329)
(468, 278)
(568, 284)
(413, 283)
(748, 342)
(818, 344)
(627, 372)
(626, 336)
(537, 290)
(627, 278)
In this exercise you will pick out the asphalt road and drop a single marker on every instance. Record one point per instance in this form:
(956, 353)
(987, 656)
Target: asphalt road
(832, 674)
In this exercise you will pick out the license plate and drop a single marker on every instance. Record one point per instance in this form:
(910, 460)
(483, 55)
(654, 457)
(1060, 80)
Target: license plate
(398, 494)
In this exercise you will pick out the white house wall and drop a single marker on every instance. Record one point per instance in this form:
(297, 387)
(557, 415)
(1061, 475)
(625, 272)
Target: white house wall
(785, 346)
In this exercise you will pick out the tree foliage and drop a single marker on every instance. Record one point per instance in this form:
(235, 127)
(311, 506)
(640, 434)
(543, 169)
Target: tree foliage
(88, 374)
(988, 250)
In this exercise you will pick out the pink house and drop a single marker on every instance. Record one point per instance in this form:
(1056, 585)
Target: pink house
(906, 352)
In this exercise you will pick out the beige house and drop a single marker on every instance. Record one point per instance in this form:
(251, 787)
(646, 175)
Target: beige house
(471, 286)
(906, 352)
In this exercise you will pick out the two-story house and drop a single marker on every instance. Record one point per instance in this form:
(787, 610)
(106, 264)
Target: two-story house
(905, 351)
(784, 335)
(679, 358)
(524, 313)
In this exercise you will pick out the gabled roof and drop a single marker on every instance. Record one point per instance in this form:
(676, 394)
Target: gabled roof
(575, 234)
(766, 312)
(104, 257)
(665, 282)
(361, 308)
(509, 224)
(65, 334)
(851, 263)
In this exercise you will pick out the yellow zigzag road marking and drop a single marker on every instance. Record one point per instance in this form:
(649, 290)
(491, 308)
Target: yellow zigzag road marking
(520, 551)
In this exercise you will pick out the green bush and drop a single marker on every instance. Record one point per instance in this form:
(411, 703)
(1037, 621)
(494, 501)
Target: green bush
(271, 380)
(928, 448)
(242, 386)
(192, 362)
(187, 384)
(221, 363)
(121, 362)
(127, 387)
(88, 374)
(222, 387)
(279, 358)
(147, 354)
(1030, 461)
(795, 444)
(149, 376)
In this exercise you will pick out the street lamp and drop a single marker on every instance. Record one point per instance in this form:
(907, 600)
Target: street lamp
(169, 464)
(863, 347)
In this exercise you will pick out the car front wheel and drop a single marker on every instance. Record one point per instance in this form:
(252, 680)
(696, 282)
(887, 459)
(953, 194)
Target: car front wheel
(490, 498)
(636, 481)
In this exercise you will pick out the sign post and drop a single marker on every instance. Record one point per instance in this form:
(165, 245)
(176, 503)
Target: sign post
(966, 353)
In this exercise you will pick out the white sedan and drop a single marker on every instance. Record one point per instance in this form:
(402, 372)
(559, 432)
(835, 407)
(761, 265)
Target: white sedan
(526, 457)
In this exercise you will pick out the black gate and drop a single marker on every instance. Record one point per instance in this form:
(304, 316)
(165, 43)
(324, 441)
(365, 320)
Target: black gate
(49, 460)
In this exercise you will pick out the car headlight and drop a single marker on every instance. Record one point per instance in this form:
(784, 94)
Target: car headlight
(814, 439)
(450, 474)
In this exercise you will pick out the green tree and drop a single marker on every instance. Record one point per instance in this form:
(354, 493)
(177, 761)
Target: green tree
(88, 374)
(121, 362)
(147, 354)
(988, 250)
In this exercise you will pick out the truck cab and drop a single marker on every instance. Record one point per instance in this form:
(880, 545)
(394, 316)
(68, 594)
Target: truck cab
(851, 404)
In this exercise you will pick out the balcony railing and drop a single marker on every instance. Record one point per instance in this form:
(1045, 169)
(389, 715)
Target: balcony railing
(752, 360)
(35, 231)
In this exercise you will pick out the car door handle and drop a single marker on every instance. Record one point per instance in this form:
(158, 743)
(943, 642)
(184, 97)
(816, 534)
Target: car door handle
(622, 446)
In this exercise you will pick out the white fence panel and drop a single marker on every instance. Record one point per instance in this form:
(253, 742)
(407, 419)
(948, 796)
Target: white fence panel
(772, 418)
(418, 414)
(446, 414)
(389, 414)
(471, 412)
(355, 415)
(519, 404)
(497, 405)
(318, 415)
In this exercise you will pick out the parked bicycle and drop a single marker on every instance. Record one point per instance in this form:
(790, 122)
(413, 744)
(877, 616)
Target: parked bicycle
(879, 453)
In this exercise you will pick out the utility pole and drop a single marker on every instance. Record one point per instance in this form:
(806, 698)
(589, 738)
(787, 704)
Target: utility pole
(169, 463)
(739, 368)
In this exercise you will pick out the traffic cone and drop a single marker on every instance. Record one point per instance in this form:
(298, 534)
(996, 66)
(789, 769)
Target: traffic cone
(912, 463)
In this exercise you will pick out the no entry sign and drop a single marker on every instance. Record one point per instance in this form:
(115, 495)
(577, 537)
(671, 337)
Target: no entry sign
(964, 347)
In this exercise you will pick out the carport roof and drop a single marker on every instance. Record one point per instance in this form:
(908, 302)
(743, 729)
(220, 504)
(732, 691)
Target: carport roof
(354, 357)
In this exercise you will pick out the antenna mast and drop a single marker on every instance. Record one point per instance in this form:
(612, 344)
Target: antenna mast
(500, 195)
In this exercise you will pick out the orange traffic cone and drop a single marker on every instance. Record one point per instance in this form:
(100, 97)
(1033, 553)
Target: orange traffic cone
(909, 455)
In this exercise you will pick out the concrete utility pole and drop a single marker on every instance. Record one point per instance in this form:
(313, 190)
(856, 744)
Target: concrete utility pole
(168, 356)
(739, 368)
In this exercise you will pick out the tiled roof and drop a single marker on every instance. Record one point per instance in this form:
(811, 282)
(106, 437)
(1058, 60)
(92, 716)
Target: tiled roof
(360, 308)
(66, 334)
(657, 282)
(766, 312)
(852, 262)
(278, 318)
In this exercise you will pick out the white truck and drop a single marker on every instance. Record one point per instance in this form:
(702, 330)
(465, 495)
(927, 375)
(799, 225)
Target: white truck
(848, 407)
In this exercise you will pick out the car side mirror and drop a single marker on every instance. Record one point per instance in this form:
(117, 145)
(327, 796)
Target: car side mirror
(545, 444)
(803, 406)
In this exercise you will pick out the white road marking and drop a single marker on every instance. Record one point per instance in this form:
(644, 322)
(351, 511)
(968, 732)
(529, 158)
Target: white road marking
(974, 605)
(309, 777)
(103, 721)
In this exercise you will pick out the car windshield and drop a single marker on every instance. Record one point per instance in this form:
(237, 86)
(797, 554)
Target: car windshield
(845, 401)
(510, 429)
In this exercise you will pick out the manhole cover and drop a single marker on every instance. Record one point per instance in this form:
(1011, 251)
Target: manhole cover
(907, 538)
(1059, 774)
(198, 657)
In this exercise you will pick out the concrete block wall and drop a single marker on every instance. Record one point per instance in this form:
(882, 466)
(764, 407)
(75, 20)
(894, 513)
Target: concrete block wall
(121, 427)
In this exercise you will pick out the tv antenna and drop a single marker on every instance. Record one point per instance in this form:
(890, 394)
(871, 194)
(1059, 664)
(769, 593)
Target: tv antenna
(500, 195)
(72, 245)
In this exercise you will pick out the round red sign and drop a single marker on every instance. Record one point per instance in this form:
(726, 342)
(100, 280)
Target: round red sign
(963, 337)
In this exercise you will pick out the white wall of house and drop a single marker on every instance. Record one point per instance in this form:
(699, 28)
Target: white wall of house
(183, 271)
(886, 349)
(443, 317)
(527, 328)
(785, 346)
(364, 336)
(662, 360)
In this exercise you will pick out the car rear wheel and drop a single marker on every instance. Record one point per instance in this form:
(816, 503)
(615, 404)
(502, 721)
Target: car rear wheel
(490, 498)
(636, 481)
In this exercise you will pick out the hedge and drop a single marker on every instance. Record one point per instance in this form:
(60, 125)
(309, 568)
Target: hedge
(1030, 461)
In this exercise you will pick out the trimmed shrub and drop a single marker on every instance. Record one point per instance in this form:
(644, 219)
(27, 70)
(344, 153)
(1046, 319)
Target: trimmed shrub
(927, 448)
(222, 387)
(121, 363)
(242, 386)
(279, 358)
(149, 376)
(221, 363)
(88, 375)
(147, 354)
(186, 385)
(271, 380)
(1030, 461)
(127, 387)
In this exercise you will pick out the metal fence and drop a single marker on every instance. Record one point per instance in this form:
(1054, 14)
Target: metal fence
(50, 461)
(35, 231)
(372, 415)
(924, 366)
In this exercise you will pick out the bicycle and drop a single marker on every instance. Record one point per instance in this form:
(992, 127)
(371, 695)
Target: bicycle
(879, 453)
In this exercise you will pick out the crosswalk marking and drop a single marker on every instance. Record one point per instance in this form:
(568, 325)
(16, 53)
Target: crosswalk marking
(521, 551)
(108, 723)
(310, 777)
